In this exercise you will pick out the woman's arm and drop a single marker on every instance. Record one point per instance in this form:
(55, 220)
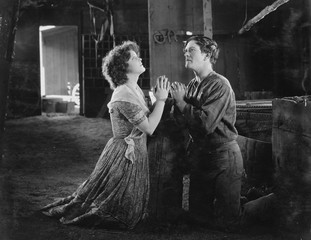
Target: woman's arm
(149, 124)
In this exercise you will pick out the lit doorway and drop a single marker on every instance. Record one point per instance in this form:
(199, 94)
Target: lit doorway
(59, 69)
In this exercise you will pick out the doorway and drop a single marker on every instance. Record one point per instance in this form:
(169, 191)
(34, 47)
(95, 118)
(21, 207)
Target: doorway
(59, 69)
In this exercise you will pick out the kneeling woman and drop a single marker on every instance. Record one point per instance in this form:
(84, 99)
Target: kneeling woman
(118, 187)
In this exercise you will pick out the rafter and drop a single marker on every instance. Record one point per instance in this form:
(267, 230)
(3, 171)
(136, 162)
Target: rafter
(262, 14)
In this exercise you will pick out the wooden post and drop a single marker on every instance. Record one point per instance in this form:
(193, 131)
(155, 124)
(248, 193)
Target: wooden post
(4, 81)
(207, 18)
(309, 18)
(9, 12)
(169, 23)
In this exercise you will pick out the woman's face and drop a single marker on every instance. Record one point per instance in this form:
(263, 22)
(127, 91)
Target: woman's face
(134, 64)
(194, 57)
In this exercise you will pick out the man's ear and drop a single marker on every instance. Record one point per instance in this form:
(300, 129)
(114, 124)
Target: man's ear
(207, 56)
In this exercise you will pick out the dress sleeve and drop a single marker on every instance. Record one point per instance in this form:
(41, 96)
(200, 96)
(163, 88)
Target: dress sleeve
(132, 112)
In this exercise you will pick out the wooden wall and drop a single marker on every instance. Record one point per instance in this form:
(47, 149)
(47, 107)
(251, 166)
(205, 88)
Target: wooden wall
(234, 62)
(195, 16)
(252, 62)
(177, 16)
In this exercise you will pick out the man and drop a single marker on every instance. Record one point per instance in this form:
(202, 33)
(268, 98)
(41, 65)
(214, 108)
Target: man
(207, 108)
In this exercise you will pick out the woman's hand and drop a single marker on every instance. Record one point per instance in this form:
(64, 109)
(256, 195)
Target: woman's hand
(162, 88)
(160, 93)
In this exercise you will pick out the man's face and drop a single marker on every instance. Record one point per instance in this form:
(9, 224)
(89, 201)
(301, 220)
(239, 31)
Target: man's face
(194, 58)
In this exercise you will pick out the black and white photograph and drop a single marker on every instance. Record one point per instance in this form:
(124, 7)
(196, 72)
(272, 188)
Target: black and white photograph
(155, 119)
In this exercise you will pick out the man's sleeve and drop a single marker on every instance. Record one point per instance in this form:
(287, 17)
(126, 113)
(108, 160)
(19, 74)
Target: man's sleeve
(214, 105)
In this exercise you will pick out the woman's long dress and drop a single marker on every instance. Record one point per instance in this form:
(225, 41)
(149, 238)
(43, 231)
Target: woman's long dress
(118, 187)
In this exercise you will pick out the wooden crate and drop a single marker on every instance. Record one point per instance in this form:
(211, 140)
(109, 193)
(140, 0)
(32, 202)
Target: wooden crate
(291, 147)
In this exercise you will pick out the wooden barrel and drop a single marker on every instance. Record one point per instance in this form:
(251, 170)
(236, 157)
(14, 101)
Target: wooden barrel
(167, 166)
(257, 159)
(254, 119)
(291, 141)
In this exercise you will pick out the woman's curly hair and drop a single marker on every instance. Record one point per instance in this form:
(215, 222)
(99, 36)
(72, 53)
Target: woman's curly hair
(207, 45)
(115, 63)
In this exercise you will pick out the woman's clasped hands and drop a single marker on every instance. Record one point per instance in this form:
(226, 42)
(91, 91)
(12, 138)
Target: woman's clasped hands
(162, 88)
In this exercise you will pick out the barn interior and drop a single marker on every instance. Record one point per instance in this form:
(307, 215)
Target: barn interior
(55, 123)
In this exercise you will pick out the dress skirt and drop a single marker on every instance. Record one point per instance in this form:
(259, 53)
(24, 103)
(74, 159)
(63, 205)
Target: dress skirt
(117, 188)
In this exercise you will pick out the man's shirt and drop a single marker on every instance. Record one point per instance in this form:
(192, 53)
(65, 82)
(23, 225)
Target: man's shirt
(210, 113)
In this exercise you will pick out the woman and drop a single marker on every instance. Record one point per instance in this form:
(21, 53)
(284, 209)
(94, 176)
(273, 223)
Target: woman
(118, 188)
(207, 108)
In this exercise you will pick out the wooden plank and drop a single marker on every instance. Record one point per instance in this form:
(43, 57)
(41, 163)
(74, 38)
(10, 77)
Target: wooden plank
(177, 16)
(291, 135)
(166, 163)
(232, 63)
(208, 19)
(4, 82)
(309, 18)
(292, 114)
(291, 141)
(257, 160)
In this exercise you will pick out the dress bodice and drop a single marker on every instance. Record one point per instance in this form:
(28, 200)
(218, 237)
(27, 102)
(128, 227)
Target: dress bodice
(124, 116)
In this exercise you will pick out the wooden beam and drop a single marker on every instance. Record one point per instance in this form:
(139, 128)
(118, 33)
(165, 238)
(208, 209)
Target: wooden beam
(9, 14)
(262, 14)
(208, 18)
(309, 20)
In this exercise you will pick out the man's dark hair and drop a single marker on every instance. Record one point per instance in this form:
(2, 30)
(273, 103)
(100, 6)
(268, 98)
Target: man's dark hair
(207, 45)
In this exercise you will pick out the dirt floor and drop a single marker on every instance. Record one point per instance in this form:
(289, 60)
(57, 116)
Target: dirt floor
(47, 157)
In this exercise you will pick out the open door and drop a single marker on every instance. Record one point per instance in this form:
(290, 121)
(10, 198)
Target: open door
(59, 69)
